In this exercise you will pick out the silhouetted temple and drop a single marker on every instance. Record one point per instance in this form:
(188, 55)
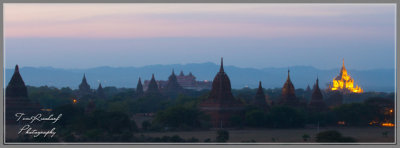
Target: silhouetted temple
(260, 98)
(100, 92)
(317, 102)
(185, 81)
(153, 87)
(172, 86)
(308, 89)
(189, 82)
(139, 88)
(221, 105)
(288, 96)
(84, 87)
(17, 100)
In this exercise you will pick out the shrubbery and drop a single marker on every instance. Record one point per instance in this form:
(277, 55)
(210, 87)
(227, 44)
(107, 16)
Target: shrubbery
(333, 136)
(181, 118)
(222, 136)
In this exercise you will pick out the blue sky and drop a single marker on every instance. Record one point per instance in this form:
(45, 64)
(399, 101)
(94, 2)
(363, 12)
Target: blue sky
(246, 35)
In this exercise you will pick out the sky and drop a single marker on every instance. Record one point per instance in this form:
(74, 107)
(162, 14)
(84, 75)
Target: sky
(246, 35)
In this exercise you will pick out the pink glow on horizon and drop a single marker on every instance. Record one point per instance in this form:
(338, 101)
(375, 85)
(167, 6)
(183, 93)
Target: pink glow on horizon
(183, 20)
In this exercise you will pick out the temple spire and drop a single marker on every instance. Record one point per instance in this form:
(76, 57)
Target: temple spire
(84, 87)
(139, 88)
(343, 62)
(17, 100)
(16, 87)
(259, 99)
(317, 103)
(343, 67)
(16, 68)
(288, 96)
(288, 74)
(153, 86)
(100, 92)
(221, 101)
(84, 79)
(172, 87)
(308, 89)
(221, 69)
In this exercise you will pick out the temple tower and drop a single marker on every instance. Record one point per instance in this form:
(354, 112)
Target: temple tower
(288, 96)
(190, 74)
(317, 102)
(173, 87)
(220, 104)
(100, 92)
(17, 100)
(308, 89)
(260, 98)
(84, 87)
(153, 87)
(344, 83)
(139, 88)
(16, 87)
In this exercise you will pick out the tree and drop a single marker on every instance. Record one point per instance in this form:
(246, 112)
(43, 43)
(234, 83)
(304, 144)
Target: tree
(70, 114)
(348, 112)
(385, 134)
(179, 117)
(237, 121)
(285, 117)
(306, 137)
(146, 125)
(116, 122)
(255, 118)
(333, 136)
(222, 136)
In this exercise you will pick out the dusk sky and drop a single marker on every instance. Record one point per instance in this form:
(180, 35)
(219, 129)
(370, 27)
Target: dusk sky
(246, 35)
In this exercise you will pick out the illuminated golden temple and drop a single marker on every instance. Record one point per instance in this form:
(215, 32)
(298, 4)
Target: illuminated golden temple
(343, 82)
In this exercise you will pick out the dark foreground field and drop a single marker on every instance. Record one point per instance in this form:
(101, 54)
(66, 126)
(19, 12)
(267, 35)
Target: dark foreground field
(361, 134)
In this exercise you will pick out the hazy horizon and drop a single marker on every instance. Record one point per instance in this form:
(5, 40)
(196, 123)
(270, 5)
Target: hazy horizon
(216, 63)
(301, 76)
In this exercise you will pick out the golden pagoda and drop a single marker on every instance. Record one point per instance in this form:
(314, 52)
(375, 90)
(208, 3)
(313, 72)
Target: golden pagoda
(343, 82)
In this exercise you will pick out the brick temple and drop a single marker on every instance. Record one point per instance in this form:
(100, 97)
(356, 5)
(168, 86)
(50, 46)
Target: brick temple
(288, 96)
(317, 102)
(220, 104)
(17, 100)
(185, 81)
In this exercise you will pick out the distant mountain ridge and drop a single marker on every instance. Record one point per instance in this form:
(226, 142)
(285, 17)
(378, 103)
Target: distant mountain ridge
(301, 76)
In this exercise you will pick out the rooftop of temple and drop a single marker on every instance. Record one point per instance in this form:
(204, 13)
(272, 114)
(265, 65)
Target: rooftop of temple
(344, 83)
(185, 81)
